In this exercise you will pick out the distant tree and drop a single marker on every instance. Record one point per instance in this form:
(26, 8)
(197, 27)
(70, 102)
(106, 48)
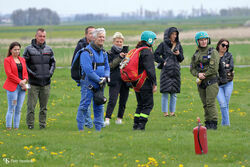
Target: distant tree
(33, 16)
(235, 12)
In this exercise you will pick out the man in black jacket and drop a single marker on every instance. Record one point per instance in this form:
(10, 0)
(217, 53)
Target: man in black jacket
(40, 65)
(82, 43)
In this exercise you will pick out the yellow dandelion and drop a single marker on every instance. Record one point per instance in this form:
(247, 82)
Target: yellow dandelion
(26, 148)
(225, 156)
(4, 155)
(92, 154)
(37, 148)
(163, 162)
(53, 153)
(89, 132)
(72, 165)
(243, 166)
(31, 147)
(180, 165)
(30, 153)
(54, 81)
(235, 92)
(205, 165)
(238, 109)
(137, 161)
(242, 114)
(60, 152)
(240, 162)
(33, 160)
(114, 157)
(1, 142)
(119, 154)
(19, 134)
(169, 139)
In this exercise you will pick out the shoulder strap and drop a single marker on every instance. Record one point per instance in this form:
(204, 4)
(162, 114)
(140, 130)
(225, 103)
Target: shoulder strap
(210, 51)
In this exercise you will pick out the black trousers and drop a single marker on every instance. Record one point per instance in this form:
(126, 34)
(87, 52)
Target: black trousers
(145, 102)
(114, 91)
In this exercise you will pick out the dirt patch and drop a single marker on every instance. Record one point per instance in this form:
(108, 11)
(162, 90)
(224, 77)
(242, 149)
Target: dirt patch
(238, 34)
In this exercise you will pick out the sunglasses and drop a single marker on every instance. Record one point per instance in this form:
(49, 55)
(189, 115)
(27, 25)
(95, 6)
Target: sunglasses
(224, 45)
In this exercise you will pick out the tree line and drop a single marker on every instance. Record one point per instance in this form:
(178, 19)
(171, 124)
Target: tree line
(33, 16)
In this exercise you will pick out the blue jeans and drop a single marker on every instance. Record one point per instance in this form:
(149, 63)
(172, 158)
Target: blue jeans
(164, 102)
(15, 103)
(223, 97)
(83, 109)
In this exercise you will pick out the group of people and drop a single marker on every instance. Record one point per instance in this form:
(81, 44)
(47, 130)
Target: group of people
(213, 68)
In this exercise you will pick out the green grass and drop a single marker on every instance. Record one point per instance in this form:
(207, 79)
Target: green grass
(166, 141)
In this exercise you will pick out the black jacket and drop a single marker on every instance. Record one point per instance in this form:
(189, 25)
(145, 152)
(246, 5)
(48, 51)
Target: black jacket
(170, 80)
(82, 43)
(114, 62)
(227, 58)
(40, 63)
(146, 62)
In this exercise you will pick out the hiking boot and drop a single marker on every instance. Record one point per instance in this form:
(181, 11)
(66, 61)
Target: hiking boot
(136, 123)
(213, 125)
(142, 123)
(208, 124)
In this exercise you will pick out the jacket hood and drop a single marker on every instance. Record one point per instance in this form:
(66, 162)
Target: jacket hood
(167, 34)
(33, 42)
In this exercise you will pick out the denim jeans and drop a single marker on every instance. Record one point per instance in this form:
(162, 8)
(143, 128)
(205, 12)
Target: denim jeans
(223, 97)
(164, 102)
(15, 103)
(86, 97)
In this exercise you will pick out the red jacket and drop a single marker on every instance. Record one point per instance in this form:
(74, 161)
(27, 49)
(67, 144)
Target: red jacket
(11, 71)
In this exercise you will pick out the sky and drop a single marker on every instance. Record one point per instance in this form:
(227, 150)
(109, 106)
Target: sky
(116, 7)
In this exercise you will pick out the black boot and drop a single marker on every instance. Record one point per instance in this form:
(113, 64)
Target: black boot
(214, 125)
(136, 123)
(208, 124)
(142, 123)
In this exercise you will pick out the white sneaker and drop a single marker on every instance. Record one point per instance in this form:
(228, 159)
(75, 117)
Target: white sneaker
(118, 121)
(106, 122)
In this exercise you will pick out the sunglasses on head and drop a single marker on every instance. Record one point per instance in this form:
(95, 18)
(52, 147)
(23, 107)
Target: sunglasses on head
(224, 45)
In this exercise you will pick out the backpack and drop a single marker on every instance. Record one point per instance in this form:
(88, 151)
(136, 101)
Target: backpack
(129, 69)
(76, 67)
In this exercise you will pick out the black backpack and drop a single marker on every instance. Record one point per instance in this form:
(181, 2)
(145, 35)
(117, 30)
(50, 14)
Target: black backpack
(76, 67)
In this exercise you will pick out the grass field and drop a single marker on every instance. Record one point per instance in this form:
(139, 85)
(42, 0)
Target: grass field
(166, 141)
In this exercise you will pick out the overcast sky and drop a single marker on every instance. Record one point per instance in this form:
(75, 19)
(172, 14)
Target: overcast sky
(115, 7)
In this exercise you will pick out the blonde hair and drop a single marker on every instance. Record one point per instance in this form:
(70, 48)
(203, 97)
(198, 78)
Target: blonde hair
(118, 35)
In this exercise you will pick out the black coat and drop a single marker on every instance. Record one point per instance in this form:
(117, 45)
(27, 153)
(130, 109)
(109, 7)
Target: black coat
(170, 79)
(40, 63)
(227, 58)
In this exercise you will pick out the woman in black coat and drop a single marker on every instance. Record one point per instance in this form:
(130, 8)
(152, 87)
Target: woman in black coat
(169, 55)
(116, 85)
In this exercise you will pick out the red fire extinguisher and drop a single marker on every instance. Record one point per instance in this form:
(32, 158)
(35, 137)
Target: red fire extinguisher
(200, 138)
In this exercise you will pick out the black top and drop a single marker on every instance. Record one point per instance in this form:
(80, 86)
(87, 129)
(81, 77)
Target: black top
(20, 70)
(40, 63)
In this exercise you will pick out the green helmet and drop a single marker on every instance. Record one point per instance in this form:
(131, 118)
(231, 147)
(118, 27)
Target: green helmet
(148, 36)
(201, 35)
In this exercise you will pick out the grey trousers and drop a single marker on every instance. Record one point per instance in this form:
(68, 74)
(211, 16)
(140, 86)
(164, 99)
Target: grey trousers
(34, 93)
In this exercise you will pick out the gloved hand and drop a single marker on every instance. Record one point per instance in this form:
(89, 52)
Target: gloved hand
(102, 81)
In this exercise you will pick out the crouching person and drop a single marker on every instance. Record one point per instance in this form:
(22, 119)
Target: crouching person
(95, 69)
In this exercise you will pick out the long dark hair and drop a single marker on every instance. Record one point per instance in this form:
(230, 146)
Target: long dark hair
(219, 43)
(12, 45)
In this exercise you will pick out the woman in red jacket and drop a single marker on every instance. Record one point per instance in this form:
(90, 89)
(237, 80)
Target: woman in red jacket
(15, 84)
